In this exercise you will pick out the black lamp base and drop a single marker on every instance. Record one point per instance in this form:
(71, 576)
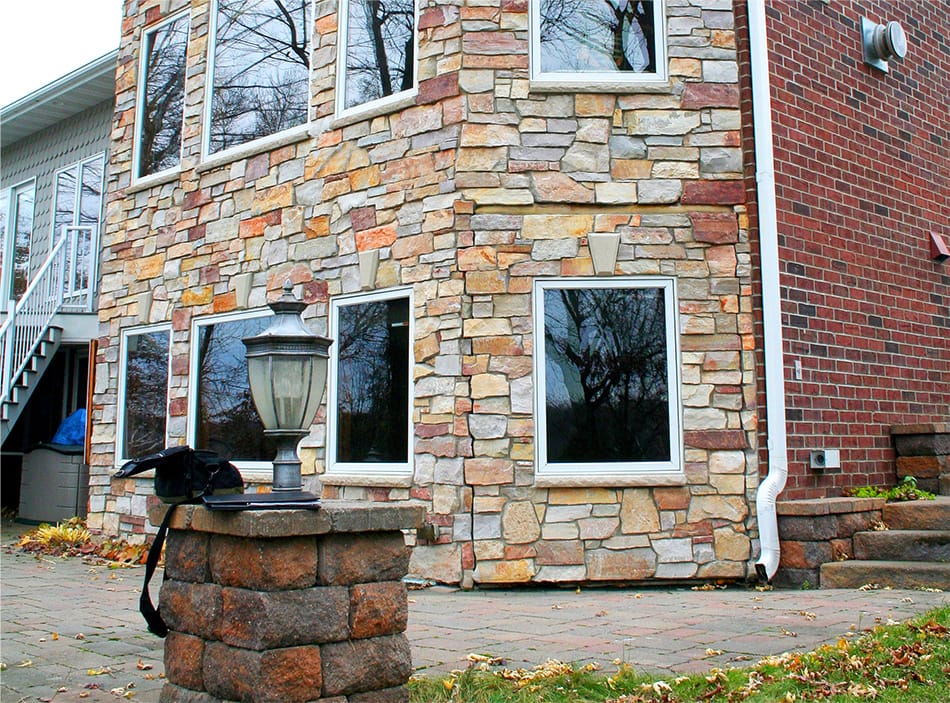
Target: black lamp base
(278, 500)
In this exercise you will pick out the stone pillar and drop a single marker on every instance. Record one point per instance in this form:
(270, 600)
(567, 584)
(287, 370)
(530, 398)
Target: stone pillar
(287, 606)
(923, 451)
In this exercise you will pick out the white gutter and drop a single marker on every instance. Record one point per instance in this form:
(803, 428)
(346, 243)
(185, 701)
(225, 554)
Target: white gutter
(774, 482)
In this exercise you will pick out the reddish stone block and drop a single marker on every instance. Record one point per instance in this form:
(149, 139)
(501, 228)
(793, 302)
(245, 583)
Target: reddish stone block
(183, 655)
(291, 675)
(363, 218)
(442, 86)
(671, 498)
(378, 609)
(700, 95)
(360, 666)
(559, 553)
(192, 608)
(715, 439)
(923, 466)
(715, 228)
(713, 193)
(186, 556)
(272, 619)
(263, 564)
(376, 237)
(361, 558)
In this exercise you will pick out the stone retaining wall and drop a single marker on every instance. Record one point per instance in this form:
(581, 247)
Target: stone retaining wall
(287, 606)
(813, 532)
(923, 452)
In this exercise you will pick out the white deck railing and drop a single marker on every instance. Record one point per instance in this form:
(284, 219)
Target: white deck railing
(64, 279)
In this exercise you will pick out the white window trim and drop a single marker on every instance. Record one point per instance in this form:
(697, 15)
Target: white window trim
(380, 106)
(610, 473)
(252, 470)
(75, 222)
(366, 469)
(595, 81)
(239, 151)
(9, 244)
(6, 242)
(120, 457)
(140, 104)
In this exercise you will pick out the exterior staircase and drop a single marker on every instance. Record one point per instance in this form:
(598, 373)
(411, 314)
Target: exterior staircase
(23, 386)
(914, 552)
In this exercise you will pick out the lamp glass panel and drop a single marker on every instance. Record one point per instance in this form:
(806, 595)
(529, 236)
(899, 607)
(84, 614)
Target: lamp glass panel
(259, 374)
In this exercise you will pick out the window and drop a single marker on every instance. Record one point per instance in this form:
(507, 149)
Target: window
(79, 204)
(17, 225)
(377, 58)
(598, 40)
(223, 418)
(161, 97)
(260, 70)
(606, 366)
(143, 392)
(369, 425)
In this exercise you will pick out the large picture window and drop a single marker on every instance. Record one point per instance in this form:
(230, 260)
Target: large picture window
(260, 72)
(377, 58)
(369, 428)
(607, 370)
(143, 392)
(161, 97)
(598, 40)
(223, 418)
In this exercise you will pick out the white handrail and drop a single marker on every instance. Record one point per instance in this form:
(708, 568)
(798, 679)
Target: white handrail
(28, 321)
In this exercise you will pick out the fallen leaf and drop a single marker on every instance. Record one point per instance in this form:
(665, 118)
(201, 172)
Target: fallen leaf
(600, 614)
(25, 663)
(55, 636)
(98, 672)
(142, 666)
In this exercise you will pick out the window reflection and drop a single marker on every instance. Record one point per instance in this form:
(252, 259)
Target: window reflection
(373, 382)
(260, 84)
(23, 199)
(146, 393)
(606, 387)
(227, 422)
(380, 49)
(160, 131)
(598, 35)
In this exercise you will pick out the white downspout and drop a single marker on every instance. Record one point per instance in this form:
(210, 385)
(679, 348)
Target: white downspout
(774, 482)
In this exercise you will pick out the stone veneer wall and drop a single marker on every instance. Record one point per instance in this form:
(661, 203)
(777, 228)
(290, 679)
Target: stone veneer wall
(469, 192)
(287, 606)
(813, 532)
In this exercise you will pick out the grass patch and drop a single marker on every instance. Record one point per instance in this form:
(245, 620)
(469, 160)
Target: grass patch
(905, 490)
(889, 664)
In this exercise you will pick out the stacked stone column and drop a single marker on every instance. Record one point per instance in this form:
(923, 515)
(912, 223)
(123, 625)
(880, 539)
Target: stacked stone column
(923, 452)
(287, 606)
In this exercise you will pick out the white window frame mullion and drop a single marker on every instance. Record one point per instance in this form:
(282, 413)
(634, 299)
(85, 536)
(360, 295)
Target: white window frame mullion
(333, 467)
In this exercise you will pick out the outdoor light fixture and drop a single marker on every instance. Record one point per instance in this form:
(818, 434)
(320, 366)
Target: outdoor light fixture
(287, 370)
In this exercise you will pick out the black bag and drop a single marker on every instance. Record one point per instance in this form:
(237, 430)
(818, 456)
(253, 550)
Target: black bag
(182, 475)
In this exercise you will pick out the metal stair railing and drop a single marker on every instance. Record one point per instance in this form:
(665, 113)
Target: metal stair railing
(29, 319)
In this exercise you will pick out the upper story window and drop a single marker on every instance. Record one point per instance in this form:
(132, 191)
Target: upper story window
(606, 365)
(260, 70)
(377, 55)
(598, 40)
(143, 392)
(161, 97)
(79, 204)
(370, 398)
(16, 226)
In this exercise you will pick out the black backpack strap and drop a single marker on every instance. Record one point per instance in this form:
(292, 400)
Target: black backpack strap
(156, 625)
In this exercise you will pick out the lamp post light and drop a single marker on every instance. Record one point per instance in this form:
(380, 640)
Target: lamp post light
(287, 370)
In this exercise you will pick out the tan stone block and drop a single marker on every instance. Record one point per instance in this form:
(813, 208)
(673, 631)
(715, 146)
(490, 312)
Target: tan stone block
(598, 527)
(519, 523)
(519, 571)
(489, 504)
(557, 187)
(487, 135)
(489, 385)
(687, 68)
(480, 282)
(629, 169)
(487, 472)
(477, 258)
(272, 198)
(197, 296)
(728, 484)
(610, 565)
(556, 226)
(731, 545)
(731, 508)
(727, 462)
(439, 562)
(616, 193)
(638, 513)
(721, 260)
(522, 451)
(149, 267)
(594, 105)
(489, 549)
(486, 327)
(482, 158)
(581, 496)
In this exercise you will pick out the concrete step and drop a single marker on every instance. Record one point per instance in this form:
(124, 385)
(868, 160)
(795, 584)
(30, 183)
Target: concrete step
(896, 574)
(918, 514)
(903, 545)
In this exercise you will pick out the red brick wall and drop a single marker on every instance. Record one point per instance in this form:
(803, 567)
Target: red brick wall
(862, 178)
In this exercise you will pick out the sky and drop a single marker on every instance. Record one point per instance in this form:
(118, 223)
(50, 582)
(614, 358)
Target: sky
(41, 40)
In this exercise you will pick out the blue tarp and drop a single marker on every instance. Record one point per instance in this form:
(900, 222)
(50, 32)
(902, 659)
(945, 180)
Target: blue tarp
(72, 430)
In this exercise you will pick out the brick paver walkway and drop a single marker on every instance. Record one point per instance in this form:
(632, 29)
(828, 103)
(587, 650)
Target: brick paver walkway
(68, 625)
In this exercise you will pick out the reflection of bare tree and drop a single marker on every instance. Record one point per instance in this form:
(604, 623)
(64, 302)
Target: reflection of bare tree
(598, 35)
(261, 69)
(160, 133)
(606, 357)
(146, 393)
(380, 49)
(372, 382)
(227, 421)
